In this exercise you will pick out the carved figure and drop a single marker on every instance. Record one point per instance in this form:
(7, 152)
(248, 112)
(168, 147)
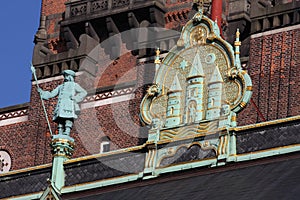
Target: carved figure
(67, 109)
(156, 123)
(225, 109)
(192, 113)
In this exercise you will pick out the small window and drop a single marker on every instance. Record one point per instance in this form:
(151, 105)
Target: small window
(212, 102)
(172, 111)
(104, 147)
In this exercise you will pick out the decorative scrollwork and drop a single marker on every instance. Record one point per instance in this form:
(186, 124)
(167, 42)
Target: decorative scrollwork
(99, 5)
(78, 10)
(153, 90)
(120, 3)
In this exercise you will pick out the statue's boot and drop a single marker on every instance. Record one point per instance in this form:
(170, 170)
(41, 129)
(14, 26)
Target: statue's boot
(68, 126)
(60, 129)
(67, 131)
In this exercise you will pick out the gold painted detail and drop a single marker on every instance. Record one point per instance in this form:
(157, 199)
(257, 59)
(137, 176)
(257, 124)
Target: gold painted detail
(150, 158)
(243, 72)
(199, 36)
(26, 170)
(233, 118)
(59, 140)
(152, 90)
(268, 123)
(237, 43)
(243, 104)
(249, 88)
(237, 34)
(172, 151)
(157, 60)
(190, 130)
(172, 116)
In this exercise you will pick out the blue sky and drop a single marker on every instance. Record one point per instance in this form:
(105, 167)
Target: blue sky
(19, 23)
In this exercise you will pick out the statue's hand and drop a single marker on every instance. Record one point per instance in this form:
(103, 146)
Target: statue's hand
(73, 99)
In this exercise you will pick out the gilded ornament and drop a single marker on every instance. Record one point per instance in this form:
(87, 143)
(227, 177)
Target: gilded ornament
(152, 90)
(199, 37)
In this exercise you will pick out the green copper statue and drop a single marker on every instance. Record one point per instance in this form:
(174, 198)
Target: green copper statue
(67, 108)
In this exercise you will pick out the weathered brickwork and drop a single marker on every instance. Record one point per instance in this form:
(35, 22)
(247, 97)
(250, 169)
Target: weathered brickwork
(50, 7)
(53, 10)
(273, 66)
(178, 13)
(17, 141)
(119, 121)
(176, 19)
(120, 71)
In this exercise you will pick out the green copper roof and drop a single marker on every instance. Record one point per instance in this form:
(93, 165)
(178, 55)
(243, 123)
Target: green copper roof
(175, 85)
(216, 76)
(196, 69)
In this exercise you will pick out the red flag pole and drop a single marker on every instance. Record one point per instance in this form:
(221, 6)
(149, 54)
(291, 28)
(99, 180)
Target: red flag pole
(216, 12)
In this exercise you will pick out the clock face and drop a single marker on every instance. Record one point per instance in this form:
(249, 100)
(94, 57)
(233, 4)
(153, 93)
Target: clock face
(5, 162)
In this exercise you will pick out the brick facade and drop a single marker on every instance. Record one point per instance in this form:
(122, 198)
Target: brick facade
(54, 11)
(17, 141)
(273, 65)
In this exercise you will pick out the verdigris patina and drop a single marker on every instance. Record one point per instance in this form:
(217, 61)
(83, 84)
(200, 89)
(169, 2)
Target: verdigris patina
(67, 109)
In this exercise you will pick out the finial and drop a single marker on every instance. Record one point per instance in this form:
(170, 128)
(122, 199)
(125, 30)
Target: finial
(157, 59)
(157, 52)
(237, 38)
(198, 16)
(237, 45)
(238, 33)
(200, 4)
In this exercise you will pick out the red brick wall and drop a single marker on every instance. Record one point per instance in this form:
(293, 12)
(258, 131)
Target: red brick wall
(176, 18)
(18, 142)
(119, 71)
(53, 10)
(273, 65)
(28, 142)
(50, 7)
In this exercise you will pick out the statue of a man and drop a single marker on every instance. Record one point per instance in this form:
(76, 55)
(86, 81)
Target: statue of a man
(67, 108)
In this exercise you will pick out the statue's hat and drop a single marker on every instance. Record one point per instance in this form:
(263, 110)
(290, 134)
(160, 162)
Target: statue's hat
(68, 72)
